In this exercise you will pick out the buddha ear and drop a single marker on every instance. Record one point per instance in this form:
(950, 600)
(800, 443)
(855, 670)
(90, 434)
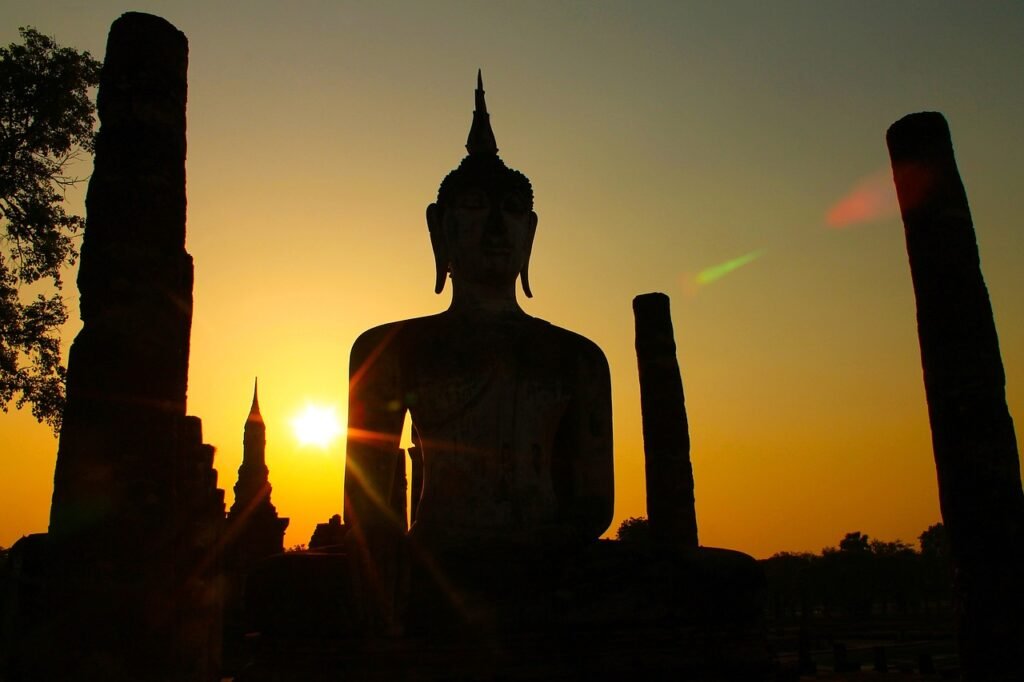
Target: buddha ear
(439, 245)
(524, 274)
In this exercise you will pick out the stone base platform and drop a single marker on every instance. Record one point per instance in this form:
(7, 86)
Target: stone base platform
(612, 611)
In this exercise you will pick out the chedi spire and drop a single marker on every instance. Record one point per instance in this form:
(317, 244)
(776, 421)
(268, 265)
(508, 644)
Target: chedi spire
(254, 528)
(254, 411)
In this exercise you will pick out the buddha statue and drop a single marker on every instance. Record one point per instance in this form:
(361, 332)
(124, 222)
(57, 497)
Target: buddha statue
(501, 571)
(511, 414)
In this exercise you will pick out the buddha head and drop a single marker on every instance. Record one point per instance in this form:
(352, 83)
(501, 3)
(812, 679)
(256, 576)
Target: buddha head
(482, 225)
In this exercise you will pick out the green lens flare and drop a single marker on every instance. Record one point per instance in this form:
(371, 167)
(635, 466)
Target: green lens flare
(709, 275)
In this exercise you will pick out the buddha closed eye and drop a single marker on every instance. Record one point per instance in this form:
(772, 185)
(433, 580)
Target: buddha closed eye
(514, 205)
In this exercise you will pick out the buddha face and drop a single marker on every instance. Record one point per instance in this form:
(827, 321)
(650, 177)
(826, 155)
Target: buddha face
(487, 234)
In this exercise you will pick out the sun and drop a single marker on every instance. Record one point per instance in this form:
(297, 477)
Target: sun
(316, 425)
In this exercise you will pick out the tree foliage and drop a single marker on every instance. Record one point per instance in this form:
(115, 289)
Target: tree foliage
(855, 543)
(634, 529)
(46, 122)
(935, 543)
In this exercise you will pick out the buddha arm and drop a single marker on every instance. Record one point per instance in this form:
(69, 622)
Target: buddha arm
(588, 428)
(375, 416)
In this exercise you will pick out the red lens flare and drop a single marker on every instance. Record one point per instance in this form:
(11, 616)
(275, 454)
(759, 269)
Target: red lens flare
(872, 198)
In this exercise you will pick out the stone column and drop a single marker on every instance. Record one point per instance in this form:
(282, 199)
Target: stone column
(136, 515)
(128, 367)
(972, 433)
(670, 501)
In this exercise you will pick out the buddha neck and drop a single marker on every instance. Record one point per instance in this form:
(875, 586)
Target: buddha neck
(474, 298)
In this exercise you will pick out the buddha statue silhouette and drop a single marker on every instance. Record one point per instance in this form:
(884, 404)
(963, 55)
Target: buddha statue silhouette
(511, 414)
(501, 570)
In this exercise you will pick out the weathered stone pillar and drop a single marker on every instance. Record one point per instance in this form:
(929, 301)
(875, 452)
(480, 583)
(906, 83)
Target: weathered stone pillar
(972, 433)
(136, 515)
(128, 367)
(670, 501)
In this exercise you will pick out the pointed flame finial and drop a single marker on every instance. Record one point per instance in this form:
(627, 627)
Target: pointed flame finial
(481, 105)
(254, 411)
(481, 138)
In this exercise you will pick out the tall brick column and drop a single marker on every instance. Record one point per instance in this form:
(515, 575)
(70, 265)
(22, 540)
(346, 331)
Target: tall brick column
(670, 500)
(972, 433)
(135, 523)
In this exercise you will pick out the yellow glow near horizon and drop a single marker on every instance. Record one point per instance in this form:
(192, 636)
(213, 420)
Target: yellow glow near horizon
(316, 425)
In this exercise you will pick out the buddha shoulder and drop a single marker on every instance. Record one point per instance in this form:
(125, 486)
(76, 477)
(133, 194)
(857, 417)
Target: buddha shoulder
(567, 345)
(387, 339)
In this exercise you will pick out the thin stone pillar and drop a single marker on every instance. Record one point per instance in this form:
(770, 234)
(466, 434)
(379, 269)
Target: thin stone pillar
(670, 501)
(973, 438)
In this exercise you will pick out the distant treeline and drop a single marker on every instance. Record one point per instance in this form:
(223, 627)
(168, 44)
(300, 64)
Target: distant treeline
(861, 577)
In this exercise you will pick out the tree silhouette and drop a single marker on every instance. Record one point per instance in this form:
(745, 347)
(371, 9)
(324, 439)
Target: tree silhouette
(935, 543)
(860, 577)
(855, 542)
(635, 529)
(894, 575)
(847, 580)
(46, 122)
(936, 569)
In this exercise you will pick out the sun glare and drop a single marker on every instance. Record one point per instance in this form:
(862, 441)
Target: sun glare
(316, 425)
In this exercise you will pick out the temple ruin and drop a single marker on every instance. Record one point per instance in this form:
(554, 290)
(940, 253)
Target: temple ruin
(497, 569)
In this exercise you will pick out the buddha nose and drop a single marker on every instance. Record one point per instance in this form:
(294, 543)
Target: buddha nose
(495, 225)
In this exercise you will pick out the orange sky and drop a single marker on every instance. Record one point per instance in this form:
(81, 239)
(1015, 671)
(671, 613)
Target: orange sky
(662, 139)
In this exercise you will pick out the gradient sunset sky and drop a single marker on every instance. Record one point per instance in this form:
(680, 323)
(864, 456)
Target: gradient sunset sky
(729, 154)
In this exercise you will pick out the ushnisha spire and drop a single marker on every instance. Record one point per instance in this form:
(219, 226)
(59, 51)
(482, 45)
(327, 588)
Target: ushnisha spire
(481, 140)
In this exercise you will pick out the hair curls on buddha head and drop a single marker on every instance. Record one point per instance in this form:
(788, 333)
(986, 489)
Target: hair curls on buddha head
(484, 172)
